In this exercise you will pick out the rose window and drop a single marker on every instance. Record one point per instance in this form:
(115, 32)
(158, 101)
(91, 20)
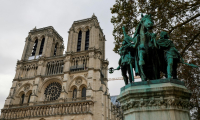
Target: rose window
(53, 90)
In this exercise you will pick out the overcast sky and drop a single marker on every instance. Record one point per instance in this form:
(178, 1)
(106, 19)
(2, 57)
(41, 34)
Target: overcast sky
(18, 17)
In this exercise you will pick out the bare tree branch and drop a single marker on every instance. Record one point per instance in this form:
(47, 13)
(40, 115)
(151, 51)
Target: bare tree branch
(179, 25)
(190, 43)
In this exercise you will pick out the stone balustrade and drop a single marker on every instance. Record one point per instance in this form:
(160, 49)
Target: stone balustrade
(54, 67)
(84, 107)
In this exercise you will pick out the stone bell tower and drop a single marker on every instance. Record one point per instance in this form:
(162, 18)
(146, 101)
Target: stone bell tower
(85, 61)
(36, 46)
(50, 85)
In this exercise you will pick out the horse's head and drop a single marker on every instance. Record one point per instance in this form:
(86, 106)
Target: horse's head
(147, 21)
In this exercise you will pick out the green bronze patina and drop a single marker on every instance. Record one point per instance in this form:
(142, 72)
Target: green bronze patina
(146, 55)
(126, 61)
(171, 55)
(148, 66)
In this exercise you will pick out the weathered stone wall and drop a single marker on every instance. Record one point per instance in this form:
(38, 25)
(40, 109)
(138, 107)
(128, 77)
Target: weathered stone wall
(51, 38)
(84, 69)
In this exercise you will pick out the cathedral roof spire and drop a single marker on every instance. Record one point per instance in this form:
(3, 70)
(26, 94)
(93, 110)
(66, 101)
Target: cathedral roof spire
(34, 28)
(94, 16)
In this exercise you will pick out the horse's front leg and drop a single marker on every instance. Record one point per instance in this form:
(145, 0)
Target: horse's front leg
(141, 54)
(169, 67)
(142, 75)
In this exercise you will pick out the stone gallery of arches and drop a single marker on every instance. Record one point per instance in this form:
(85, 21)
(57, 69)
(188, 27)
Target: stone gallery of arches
(50, 85)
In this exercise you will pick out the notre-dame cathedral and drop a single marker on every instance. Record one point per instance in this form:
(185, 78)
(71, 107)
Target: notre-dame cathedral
(52, 85)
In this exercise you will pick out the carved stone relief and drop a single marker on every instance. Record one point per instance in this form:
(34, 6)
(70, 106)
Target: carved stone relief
(40, 63)
(19, 84)
(78, 81)
(176, 103)
(50, 33)
(89, 86)
(71, 77)
(105, 66)
(86, 74)
(26, 87)
(67, 59)
(91, 55)
(47, 110)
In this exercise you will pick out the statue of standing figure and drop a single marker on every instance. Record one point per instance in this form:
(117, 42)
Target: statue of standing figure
(171, 55)
(146, 55)
(126, 61)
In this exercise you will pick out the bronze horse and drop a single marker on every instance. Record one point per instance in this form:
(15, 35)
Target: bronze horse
(147, 61)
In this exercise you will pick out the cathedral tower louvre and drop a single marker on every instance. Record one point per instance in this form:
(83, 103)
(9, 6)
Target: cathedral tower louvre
(50, 85)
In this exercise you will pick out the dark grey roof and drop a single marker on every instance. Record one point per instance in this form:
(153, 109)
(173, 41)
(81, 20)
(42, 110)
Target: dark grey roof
(114, 99)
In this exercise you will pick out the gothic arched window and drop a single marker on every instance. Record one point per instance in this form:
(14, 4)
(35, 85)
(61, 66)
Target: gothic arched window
(87, 40)
(74, 93)
(22, 98)
(29, 97)
(41, 46)
(83, 92)
(34, 48)
(79, 41)
(55, 49)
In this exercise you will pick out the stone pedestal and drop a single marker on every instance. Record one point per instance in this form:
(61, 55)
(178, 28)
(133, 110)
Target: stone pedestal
(163, 99)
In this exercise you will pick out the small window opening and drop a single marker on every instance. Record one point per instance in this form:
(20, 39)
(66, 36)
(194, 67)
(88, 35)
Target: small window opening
(55, 49)
(83, 92)
(84, 63)
(29, 97)
(74, 93)
(22, 98)
(41, 46)
(34, 48)
(87, 40)
(79, 41)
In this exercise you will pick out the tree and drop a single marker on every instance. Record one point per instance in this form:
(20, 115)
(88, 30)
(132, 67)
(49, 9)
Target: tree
(181, 19)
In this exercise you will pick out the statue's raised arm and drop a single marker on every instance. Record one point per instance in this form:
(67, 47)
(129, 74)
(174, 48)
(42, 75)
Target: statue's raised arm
(131, 41)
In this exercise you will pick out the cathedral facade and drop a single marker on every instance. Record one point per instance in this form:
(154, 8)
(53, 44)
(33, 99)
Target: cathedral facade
(50, 85)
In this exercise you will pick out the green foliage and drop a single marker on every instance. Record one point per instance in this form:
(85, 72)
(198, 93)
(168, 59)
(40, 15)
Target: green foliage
(180, 18)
